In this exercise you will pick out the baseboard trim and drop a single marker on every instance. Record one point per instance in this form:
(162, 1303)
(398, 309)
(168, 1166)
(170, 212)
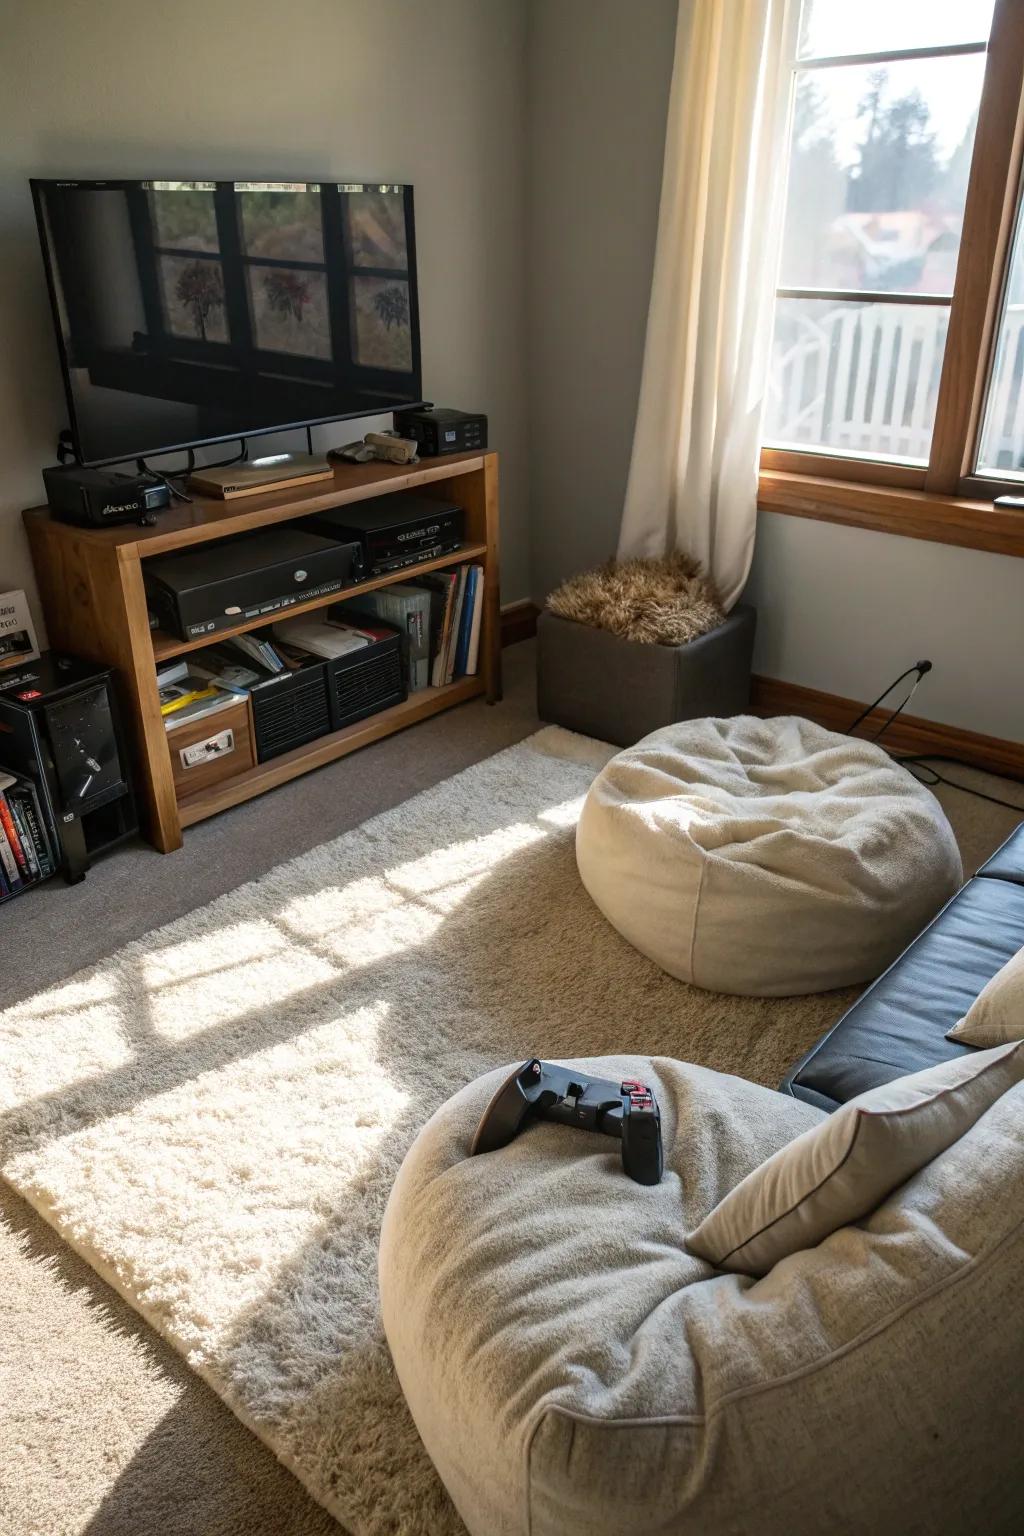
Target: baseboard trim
(519, 621)
(908, 733)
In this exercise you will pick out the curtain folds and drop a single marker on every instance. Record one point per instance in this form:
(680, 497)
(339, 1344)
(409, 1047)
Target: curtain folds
(693, 473)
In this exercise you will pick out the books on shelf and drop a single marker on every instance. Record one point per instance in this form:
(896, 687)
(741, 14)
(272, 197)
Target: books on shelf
(190, 692)
(323, 637)
(26, 853)
(456, 612)
(405, 607)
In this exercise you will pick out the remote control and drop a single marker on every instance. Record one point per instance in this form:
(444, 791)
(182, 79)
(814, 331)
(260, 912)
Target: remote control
(539, 1090)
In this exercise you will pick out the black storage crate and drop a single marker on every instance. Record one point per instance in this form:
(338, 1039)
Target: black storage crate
(367, 681)
(290, 709)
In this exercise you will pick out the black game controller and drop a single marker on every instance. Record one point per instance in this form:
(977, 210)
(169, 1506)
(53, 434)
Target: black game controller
(540, 1091)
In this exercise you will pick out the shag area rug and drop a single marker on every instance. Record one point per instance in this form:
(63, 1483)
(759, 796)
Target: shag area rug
(214, 1116)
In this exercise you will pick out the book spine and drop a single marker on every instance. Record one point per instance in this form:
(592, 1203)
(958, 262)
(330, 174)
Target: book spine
(25, 838)
(473, 661)
(10, 864)
(466, 623)
(13, 840)
(28, 801)
(441, 657)
(453, 639)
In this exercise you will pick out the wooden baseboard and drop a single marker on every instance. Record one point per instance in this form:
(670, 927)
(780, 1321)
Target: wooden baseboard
(519, 621)
(908, 733)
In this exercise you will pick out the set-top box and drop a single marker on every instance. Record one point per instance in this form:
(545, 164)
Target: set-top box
(251, 576)
(394, 531)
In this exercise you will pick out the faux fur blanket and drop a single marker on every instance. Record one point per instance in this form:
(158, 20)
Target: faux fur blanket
(658, 602)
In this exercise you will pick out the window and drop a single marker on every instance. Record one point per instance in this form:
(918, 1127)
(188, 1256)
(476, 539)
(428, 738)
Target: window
(898, 344)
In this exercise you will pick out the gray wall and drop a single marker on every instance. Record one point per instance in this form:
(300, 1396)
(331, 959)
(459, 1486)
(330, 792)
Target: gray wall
(599, 73)
(383, 89)
(840, 609)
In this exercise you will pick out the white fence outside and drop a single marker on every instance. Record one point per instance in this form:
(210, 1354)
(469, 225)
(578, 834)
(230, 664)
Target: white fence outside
(863, 379)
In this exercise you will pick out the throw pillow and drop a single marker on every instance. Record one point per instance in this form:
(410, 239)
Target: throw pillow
(997, 1013)
(839, 1171)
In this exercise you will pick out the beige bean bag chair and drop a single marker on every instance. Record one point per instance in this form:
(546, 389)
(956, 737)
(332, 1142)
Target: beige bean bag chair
(764, 857)
(574, 1371)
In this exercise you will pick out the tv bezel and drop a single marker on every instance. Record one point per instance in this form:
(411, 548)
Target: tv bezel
(39, 183)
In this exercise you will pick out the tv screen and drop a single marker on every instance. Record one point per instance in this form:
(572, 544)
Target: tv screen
(194, 312)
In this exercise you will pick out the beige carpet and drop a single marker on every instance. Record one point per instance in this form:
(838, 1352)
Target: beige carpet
(214, 1116)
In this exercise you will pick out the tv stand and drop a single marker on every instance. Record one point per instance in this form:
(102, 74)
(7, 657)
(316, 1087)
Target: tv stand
(91, 584)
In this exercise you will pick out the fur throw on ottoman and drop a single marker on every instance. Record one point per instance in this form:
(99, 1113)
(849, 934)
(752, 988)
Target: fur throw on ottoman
(658, 602)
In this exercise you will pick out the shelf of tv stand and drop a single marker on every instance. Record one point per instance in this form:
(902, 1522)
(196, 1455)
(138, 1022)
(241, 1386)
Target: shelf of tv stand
(92, 583)
(325, 749)
(165, 646)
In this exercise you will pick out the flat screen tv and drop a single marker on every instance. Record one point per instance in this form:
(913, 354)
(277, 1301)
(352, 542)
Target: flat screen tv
(193, 312)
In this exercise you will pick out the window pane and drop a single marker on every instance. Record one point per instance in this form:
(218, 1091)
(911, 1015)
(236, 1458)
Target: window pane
(290, 311)
(380, 323)
(1002, 437)
(192, 290)
(880, 157)
(831, 27)
(284, 225)
(855, 378)
(183, 216)
(376, 226)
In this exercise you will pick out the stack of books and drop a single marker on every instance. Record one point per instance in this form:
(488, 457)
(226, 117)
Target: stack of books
(26, 853)
(440, 614)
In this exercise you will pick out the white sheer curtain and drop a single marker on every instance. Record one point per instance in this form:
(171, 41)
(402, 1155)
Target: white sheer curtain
(693, 474)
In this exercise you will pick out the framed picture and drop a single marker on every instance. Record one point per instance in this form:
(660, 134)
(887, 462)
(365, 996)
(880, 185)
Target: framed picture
(17, 633)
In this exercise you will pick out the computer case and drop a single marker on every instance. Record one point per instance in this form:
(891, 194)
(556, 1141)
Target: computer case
(60, 726)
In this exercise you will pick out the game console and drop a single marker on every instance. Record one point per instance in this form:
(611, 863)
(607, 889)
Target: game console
(394, 531)
(541, 1090)
(102, 498)
(256, 575)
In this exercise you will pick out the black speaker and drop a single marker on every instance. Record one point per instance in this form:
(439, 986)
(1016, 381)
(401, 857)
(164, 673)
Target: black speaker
(59, 725)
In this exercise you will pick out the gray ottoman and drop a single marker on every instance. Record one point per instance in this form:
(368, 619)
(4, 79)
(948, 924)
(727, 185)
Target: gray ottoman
(591, 681)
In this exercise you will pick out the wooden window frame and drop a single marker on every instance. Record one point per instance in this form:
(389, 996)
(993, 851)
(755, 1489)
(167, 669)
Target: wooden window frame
(944, 501)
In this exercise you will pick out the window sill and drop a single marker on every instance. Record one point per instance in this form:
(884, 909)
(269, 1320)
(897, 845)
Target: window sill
(913, 514)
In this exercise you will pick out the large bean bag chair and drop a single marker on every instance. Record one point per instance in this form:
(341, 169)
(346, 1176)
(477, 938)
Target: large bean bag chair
(574, 1370)
(764, 857)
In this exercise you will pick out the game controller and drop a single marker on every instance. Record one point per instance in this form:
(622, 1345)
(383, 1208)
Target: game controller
(539, 1090)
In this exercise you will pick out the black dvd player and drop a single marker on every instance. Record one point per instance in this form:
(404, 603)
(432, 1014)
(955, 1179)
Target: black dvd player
(394, 531)
(251, 576)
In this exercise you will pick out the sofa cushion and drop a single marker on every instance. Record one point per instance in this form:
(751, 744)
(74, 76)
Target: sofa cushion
(839, 1171)
(572, 1369)
(997, 1013)
(1007, 863)
(899, 1025)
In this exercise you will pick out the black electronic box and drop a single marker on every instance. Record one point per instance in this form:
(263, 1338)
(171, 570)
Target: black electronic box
(438, 430)
(394, 531)
(251, 576)
(101, 498)
(59, 725)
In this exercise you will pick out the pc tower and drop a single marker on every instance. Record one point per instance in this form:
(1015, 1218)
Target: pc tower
(59, 725)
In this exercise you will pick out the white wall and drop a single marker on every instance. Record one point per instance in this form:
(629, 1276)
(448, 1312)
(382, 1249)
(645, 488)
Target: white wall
(840, 609)
(846, 610)
(388, 90)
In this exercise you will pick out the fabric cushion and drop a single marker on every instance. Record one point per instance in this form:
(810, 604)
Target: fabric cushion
(571, 1367)
(841, 1170)
(997, 1013)
(764, 857)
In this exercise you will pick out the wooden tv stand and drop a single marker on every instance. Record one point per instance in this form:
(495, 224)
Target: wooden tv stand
(91, 583)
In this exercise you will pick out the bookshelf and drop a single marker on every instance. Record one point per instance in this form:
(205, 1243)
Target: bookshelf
(92, 589)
